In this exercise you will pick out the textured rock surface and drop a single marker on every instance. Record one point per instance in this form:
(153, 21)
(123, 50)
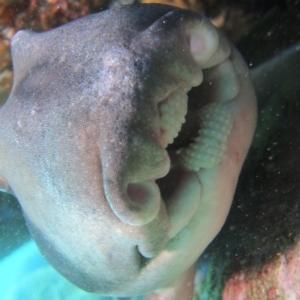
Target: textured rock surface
(277, 279)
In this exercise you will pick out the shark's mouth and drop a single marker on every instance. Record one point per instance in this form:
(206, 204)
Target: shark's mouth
(194, 124)
(194, 137)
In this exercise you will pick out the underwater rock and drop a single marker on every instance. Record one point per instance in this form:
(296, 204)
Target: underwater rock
(278, 279)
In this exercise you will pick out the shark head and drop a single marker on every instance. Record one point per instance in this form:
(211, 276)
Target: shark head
(123, 138)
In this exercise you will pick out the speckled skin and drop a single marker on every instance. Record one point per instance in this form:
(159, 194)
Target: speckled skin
(80, 138)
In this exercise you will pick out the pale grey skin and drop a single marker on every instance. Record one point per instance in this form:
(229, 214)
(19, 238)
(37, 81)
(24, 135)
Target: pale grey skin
(81, 125)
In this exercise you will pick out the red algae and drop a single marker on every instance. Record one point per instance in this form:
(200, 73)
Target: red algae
(276, 280)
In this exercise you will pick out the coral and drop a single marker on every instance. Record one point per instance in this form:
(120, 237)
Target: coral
(38, 16)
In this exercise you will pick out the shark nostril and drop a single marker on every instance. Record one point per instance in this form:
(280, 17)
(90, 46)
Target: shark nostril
(197, 44)
(203, 41)
(143, 193)
(137, 193)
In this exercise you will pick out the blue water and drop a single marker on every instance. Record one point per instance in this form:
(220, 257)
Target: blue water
(25, 275)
